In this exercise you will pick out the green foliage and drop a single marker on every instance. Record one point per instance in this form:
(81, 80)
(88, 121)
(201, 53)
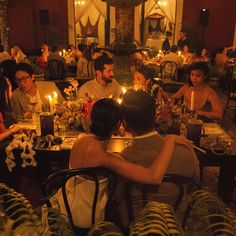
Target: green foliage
(105, 228)
(156, 219)
(208, 215)
(17, 217)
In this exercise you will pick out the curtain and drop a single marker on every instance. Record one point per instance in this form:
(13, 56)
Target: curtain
(80, 11)
(101, 7)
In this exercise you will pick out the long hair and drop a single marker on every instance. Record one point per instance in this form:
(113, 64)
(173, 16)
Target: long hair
(5, 105)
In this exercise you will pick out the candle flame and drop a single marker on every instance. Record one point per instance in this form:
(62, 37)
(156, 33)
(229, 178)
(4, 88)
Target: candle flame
(124, 90)
(119, 100)
(49, 98)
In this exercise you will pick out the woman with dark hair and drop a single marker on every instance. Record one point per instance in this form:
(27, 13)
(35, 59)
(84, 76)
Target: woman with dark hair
(5, 109)
(143, 79)
(90, 151)
(206, 104)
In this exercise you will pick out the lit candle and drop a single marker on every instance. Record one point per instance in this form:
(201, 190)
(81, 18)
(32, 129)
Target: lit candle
(55, 98)
(119, 100)
(179, 53)
(60, 53)
(123, 90)
(192, 101)
(64, 52)
(50, 103)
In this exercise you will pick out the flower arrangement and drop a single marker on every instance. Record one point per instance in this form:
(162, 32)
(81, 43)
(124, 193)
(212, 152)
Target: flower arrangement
(167, 117)
(75, 112)
(24, 142)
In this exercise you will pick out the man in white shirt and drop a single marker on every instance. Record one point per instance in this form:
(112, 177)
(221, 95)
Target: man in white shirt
(103, 85)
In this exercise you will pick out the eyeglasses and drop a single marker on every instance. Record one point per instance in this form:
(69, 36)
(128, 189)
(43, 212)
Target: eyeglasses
(19, 80)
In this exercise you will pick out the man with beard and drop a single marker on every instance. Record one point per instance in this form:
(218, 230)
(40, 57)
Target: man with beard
(103, 85)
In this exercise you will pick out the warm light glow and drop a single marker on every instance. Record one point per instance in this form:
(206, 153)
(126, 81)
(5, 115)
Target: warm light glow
(119, 100)
(80, 2)
(60, 53)
(179, 53)
(124, 90)
(162, 3)
(49, 98)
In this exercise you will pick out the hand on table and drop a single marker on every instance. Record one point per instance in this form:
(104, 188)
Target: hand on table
(14, 128)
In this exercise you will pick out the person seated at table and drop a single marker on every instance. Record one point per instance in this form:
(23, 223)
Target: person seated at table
(206, 102)
(43, 58)
(138, 115)
(205, 55)
(5, 105)
(186, 55)
(85, 64)
(104, 84)
(89, 150)
(166, 43)
(144, 80)
(173, 56)
(4, 133)
(27, 94)
(18, 55)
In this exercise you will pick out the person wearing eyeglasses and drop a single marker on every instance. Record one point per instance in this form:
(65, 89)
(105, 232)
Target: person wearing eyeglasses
(26, 94)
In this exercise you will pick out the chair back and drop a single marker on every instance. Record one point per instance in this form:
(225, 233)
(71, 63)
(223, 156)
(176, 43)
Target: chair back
(146, 190)
(231, 97)
(90, 69)
(56, 70)
(61, 178)
(169, 70)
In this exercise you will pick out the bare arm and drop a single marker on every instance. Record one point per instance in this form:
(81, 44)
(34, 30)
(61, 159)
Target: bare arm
(216, 112)
(179, 93)
(8, 132)
(151, 175)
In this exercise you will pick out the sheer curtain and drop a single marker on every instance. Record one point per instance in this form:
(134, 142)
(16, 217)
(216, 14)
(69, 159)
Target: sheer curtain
(80, 11)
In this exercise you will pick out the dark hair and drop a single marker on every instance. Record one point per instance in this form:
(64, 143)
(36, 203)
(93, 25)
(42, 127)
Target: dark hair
(105, 117)
(1, 48)
(4, 101)
(168, 33)
(183, 31)
(87, 54)
(146, 71)
(202, 66)
(24, 67)
(54, 48)
(173, 48)
(101, 61)
(138, 111)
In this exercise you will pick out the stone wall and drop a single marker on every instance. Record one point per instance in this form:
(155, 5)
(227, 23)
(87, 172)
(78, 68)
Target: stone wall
(4, 24)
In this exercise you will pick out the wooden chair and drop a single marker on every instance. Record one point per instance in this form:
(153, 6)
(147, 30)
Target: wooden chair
(90, 69)
(231, 97)
(61, 178)
(56, 70)
(168, 70)
(177, 180)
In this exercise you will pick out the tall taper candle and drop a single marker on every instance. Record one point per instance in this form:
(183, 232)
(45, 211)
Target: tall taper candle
(192, 101)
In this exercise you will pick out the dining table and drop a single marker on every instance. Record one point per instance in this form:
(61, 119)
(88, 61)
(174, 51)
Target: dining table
(56, 157)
